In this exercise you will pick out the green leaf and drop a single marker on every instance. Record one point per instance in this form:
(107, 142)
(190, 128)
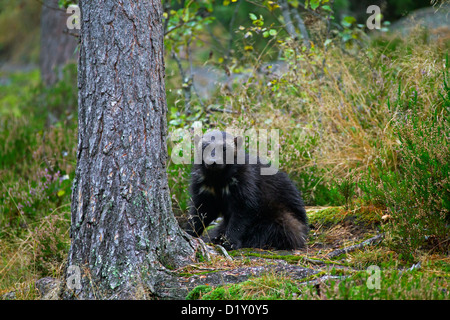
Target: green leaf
(61, 193)
(315, 4)
(175, 122)
(186, 15)
(253, 16)
(294, 3)
(348, 21)
(273, 32)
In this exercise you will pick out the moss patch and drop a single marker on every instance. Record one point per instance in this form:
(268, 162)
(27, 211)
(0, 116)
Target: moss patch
(267, 287)
(363, 215)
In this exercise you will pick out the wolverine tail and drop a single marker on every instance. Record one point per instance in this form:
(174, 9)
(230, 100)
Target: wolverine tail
(286, 233)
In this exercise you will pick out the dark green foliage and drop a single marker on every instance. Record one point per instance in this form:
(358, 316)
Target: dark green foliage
(347, 188)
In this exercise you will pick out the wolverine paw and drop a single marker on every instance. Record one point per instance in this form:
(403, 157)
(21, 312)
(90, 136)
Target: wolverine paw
(230, 245)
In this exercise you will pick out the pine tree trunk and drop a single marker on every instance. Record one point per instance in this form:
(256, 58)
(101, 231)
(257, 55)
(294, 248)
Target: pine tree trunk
(57, 46)
(125, 239)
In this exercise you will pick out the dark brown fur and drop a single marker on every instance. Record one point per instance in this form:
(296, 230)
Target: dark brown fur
(262, 211)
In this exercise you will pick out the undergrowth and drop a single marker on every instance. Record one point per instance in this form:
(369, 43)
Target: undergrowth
(37, 163)
(393, 285)
(368, 127)
(358, 129)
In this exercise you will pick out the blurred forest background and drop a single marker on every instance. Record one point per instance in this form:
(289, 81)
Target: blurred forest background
(363, 114)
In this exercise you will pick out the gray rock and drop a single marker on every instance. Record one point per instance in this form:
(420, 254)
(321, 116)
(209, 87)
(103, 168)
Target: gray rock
(435, 19)
(48, 288)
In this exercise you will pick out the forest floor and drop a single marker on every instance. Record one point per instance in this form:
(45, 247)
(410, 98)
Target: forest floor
(346, 258)
(401, 95)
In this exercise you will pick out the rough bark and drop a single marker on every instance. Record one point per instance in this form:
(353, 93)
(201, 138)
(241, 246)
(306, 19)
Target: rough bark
(57, 46)
(125, 238)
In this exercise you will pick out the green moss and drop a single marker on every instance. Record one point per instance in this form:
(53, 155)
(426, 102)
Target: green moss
(266, 287)
(199, 256)
(274, 255)
(327, 216)
(198, 292)
(221, 293)
(364, 215)
(393, 285)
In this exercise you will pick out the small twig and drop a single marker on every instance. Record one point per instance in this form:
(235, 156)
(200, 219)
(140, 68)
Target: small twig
(187, 84)
(182, 24)
(313, 261)
(219, 46)
(318, 15)
(215, 109)
(233, 18)
(189, 53)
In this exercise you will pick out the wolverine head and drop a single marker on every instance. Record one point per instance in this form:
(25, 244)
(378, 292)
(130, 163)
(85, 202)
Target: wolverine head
(216, 149)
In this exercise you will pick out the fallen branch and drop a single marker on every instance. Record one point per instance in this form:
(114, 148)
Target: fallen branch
(213, 108)
(374, 240)
(288, 25)
(223, 252)
(301, 26)
(322, 279)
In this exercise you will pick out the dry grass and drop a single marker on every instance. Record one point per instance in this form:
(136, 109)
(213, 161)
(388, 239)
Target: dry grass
(340, 108)
(28, 258)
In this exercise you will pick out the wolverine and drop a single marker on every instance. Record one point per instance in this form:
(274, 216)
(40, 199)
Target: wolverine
(259, 211)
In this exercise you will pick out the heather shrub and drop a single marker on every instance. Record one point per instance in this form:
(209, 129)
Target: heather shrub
(416, 191)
